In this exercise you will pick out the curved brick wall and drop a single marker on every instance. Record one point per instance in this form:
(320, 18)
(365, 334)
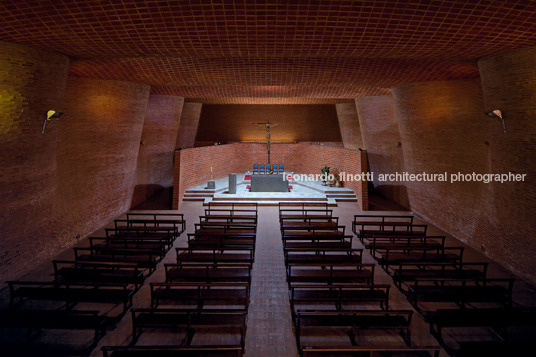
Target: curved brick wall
(98, 149)
(379, 128)
(155, 156)
(31, 83)
(188, 126)
(509, 84)
(442, 128)
(349, 125)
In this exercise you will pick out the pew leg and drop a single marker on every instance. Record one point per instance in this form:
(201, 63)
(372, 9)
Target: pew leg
(406, 335)
(190, 337)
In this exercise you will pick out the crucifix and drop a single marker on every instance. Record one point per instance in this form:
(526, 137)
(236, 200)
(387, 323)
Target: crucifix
(268, 126)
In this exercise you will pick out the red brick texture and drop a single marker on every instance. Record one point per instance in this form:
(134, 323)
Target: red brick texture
(443, 129)
(381, 136)
(155, 156)
(188, 125)
(97, 153)
(509, 84)
(234, 123)
(349, 125)
(31, 83)
(192, 166)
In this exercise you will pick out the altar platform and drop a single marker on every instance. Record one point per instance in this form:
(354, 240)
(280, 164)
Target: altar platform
(311, 191)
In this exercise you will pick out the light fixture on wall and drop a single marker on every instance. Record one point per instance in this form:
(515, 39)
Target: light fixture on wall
(51, 115)
(497, 114)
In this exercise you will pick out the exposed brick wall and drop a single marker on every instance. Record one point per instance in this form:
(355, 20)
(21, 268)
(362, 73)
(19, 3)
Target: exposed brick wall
(158, 139)
(509, 84)
(188, 126)
(379, 128)
(32, 82)
(97, 150)
(193, 165)
(443, 128)
(349, 125)
(234, 123)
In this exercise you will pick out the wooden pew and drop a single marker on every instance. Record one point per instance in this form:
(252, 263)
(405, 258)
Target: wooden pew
(231, 213)
(377, 350)
(333, 273)
(157, 248)
(159, 244)
(492, 348)
(224, 228)
(71, 294)
(312, 232)
(318, 222)
(303, 212)
(394, 320)
(413, 230)
(337, 295)
(200, 294)
(461, 292)
(145, 261)
(156, 219)
(126, 232)
(411, 271)
(215, 255)
(55, 320)
(327, 255)
(345, 243)
(396, 256)
(221, 241)
(208, 272)
(169, 351)
(135, 236)
(380, 221)
(189, 320)
(235, 206)
(228, 220)
(151, 227)
(500, 319)
(378, 242)
(69, 272)
(308, 225)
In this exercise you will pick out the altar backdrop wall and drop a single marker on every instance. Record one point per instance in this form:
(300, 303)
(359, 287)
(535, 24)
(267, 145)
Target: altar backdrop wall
(192, 166)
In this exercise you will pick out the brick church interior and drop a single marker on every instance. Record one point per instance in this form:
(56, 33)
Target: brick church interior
(267, 178)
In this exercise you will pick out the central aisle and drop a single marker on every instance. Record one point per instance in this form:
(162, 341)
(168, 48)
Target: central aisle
(269, 324)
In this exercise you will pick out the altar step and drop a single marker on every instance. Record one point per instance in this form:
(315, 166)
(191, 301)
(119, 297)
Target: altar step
(268, 198)
(198, 195)
(342, 197)
(330, 202)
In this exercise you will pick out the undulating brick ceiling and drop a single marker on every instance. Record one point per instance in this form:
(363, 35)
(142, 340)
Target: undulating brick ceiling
(272, 51)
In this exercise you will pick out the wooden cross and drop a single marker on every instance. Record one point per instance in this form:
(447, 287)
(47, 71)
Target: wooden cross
(268, 127)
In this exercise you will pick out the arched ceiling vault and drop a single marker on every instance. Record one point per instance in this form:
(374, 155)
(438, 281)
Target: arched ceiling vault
(271, 51)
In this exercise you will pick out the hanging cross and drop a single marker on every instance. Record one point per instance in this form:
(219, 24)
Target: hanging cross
(268, 127)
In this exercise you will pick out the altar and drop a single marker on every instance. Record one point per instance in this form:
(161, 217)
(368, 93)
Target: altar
(268, 183)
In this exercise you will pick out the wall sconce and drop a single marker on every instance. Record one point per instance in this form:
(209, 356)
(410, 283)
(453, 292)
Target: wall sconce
(51, 115)
(497, 114)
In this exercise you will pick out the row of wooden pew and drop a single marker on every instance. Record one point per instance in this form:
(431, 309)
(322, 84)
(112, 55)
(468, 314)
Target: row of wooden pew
(331, 289)
(450, 293)
(105, 274)
(206, 289)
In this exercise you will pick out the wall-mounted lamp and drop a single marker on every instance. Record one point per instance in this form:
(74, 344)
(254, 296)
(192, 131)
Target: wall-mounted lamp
(497, 114)
(51, 115)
